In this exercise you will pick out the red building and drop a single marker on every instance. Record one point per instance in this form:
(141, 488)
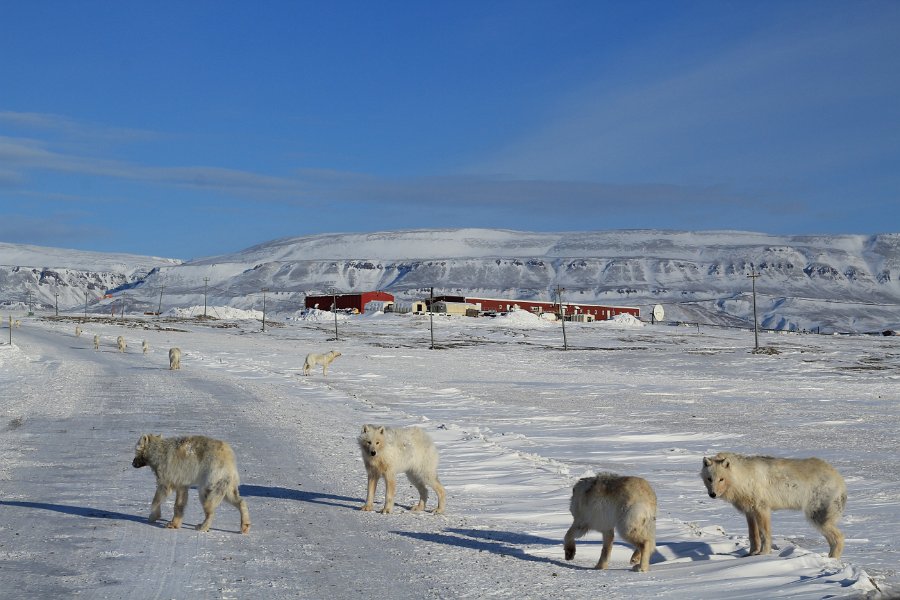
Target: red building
(347, 301)
(600, 312)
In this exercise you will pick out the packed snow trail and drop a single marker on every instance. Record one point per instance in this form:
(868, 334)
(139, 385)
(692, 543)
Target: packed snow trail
(73, 506)
(74, 510)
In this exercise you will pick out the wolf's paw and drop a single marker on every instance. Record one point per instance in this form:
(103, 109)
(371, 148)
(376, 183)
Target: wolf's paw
(245, 527)
(365, 507)
(173, 525)
(439, 510)
(639, 569)
(418, 507)
(386, 510)
(203, 527)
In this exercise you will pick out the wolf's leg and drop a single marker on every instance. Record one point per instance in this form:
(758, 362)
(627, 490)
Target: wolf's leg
(181, 498)
(577, 530)
(636, 555)
(162, 492)
(210, 498)
(422, 489)
(764, 522)
(370, 491)
(233, 497)
(608, 537)
(643, 563)
(753, 531)
(441, 494)
(835, 540)
(390, 484)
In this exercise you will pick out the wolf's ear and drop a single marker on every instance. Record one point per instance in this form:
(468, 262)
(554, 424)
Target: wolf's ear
(365, 429)
(381, 430)
(726, 463)
(706, 462)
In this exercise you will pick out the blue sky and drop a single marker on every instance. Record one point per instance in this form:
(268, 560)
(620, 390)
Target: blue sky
(188, 129)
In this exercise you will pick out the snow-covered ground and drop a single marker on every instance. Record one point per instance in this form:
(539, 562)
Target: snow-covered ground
(516, 419)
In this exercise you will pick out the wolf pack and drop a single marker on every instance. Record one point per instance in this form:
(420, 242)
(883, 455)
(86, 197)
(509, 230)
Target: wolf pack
(607, 503)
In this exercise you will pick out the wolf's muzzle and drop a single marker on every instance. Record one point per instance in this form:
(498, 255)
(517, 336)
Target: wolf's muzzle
(137, 463)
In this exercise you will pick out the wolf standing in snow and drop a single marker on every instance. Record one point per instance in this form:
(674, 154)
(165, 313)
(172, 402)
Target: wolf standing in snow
(757, 485)
(120, 343)
(387, 451)
(313, 359)
(608, 502)
(195, 460)
(174, 359)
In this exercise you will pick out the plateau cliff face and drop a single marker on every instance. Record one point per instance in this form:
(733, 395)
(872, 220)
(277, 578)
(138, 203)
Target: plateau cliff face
(837, 283)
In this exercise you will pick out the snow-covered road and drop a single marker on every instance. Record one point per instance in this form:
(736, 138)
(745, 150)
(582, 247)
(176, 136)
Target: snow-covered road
(515, 420)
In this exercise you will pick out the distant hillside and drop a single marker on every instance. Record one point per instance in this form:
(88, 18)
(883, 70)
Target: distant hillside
(836, 283)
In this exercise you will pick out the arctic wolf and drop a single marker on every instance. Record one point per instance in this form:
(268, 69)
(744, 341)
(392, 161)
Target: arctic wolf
(145, 345)
(120, 342)
(174, 358)
(313, 359)
(96, 342)
(195, 460)
(608, 502)
(78, 331)
(757, 485)
(387, 451)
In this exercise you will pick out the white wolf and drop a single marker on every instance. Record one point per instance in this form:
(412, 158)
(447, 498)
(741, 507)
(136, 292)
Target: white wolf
(174, 358)
(757, 485)
(313, 359)
(78, 331)
(387, 451)
(145, 345)
(120, 342)
(96, 342)
(608, 502)
(195, 460)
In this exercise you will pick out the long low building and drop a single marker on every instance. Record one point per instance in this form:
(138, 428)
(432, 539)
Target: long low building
(600, 312)
(351, 302)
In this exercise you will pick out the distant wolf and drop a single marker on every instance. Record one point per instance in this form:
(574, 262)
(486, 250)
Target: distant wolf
(145, 345)
(78, 331)
(313, 359)
(120, 342)
(607, 503)
(96, 342)
(174, 358)
(387, 451)
(197, 461)
(757, 485)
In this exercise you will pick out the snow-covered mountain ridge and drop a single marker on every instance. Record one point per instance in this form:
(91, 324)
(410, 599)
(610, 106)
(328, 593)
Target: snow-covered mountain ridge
(841, 282)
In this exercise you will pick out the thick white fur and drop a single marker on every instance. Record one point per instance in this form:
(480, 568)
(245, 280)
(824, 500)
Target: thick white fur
(145, 345)
(78, 331)
(196, 460)
(96, 342)
(757, 485)
(313, 359)
(387, 451)
(608, 502)
(120, 342)
(174, 358)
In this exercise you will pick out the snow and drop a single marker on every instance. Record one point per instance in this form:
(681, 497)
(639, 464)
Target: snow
(516, 419)
(218, 312)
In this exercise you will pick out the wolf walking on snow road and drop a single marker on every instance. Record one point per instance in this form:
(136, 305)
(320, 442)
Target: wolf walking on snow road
(387, 451)
(196, 460)
(607, 503)
(757, 485)
(313, 359)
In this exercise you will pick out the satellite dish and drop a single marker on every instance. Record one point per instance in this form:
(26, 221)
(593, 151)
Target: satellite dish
(658, 312)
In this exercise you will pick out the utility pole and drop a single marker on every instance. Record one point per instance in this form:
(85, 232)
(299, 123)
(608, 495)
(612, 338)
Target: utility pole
(205, 285)
(30, 311)
(562, 315)
(123, 305)
(264, 290)
(431, 316)
(334, 310)
(85, 304)
(753, 275)
(162, 286)
(57, 303)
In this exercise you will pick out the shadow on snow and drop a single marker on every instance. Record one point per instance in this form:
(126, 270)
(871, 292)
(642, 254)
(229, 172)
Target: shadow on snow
(265, 491)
